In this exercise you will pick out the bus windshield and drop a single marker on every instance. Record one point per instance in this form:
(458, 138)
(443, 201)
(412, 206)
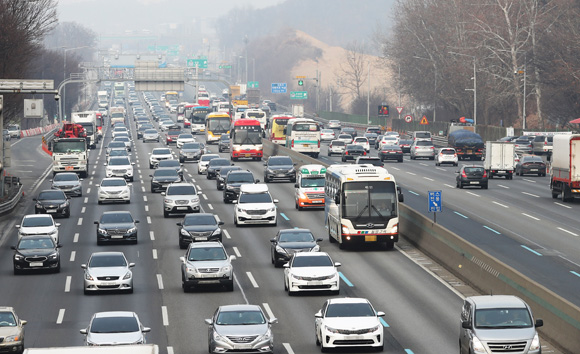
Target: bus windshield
(247, 135)
(198, 116)
(219, 125)
(368, 201)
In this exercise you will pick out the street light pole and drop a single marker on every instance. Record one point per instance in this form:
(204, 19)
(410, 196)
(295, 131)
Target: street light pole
(63, 102)
(369, 95)
(474, 89)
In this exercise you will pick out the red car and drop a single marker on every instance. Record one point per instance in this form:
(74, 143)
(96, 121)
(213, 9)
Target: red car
(171, 136)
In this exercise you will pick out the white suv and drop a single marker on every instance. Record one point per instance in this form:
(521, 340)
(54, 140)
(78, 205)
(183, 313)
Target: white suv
(119, 166)
(180, 198)
(159, 154)
(255, 206)
(364, 142)
(204, 162)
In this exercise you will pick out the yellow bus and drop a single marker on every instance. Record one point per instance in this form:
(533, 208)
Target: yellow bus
(216, 124)
(171, 96)
(277, 129)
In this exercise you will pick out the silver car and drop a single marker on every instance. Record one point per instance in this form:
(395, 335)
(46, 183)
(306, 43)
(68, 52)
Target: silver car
(181, 198)
(240, 328)
(108, 271)
(159, 154)
(115, 328)
(206, 263)
(150, 135)
(69, 183)
(422, 148)
(336, 147)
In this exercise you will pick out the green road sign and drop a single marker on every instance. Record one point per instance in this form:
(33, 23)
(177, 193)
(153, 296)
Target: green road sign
(200, 63)
(299, 95)
(225, 66)
(253, 84)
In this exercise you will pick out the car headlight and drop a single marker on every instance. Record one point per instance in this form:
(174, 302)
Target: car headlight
(14, 338)
(291, 170)
(240, 210)
(227, 268)
(53, 232)
(167, 201)
(190, 269)
(131, 230)
(18, 257)
(53, 256)
(302, 195)
(315, 248)
(296, 276)
(266, 336)
(270, 170)
(102, 231)
(127, 276)
(184, 232)
(63, 205)
(219, 338)
(331, 330)
(88, 276)
(230, 188)
(478, 347)
(216, 232)
(272, 209)
(375, 328)
(281, 250)
(345, 230)
(195, 200)
(535, 343)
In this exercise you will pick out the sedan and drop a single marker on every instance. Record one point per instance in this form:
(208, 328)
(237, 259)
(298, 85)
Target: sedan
(311, 271)
(52, 202)
(215, 166)
(33, 225)
(36, 253)
(120, 167)
(163, 177)
(114, 189)
(405, 145)
(348, 322)
(116, 226)
(351, 152)
(336, 147)
(327, 134)
(191, 152)
(115, 145)
(183, 139)
(471, 175)
(69, 183)
(115, 327)
(159, 154)
(240, 328)
(391, 152)
(176, 165)
(224, 143)
(107, 271)
(11, 330)
(126, 140)
(279, 167)
(348, 130)
(290, 241)
(150, 135)
(199, 227)
(530, 164)
(346, 138)
(523, 145)
(334, 124)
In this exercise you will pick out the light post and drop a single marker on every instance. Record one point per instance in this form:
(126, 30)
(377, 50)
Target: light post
(254, 69)
(369, 95)
(64, 78)
(474, 89)
(246, 60)
(434, 87)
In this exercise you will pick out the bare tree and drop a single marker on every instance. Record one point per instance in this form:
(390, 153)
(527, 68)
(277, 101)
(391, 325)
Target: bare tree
(352, 72)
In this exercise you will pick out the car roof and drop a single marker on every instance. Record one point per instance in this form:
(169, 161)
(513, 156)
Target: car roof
(206, 244)
(6, 308)
(240, 307)
(348, 300)
(254, 188)
(294, 230)
(117, 212)
(192, 215)
(37, 216)
(497, 301)
(115, 314)
(311, 254)
(113, 179)
(107, 253)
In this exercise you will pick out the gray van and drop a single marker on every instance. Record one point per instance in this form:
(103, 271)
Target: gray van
(542, 144)
(498, 323)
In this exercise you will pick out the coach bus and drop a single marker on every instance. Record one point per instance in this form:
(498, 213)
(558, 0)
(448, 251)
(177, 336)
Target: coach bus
(216, 124)
(171, 96)
(246, 140)
(119, 89)
(197, 119)
(303, 135)
(277, 129)
(361, 205)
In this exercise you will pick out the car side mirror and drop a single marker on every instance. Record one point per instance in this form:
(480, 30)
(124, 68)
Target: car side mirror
(17, 226)
(296, 185)
(539, 322)
(221, 223)
(337, 264)
(466, 325)
(58, 245)
(136, 221)
(273, 320)
(163, 194)
(380, 313)
(132, 163)
(146, 329)
(286, 265)
(23, 322)
(401, 198)
(12, 247)
(83, 266)
(50, 180)
(318, 314)
(208, 321)
(96, 222)
(57, 224)
(272, 240)
(232, 258)
(84, 331)
(337, 198)
(276, 201)
(182, 259)
(131, 265)
(234, 202)
(319, 239)
(178, 224)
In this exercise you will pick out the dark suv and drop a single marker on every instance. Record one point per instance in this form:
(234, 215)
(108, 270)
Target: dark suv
(471, 175)
(279, 167)
(224, 143)
(233, 181)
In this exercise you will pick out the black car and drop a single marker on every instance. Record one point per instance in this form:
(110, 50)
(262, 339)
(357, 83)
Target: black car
(471, 175)
(233, 181)
(279, 167)
(191, 151)
(377, 141)
(372, 138)
(405, 145)
(352, 151)
(68, 182)
(391, 152)
(531, 165)
(349, 130)
(272, 106)
(176, 165)
(368, 160)
(36, 253)
(289, 241)
(224, 143)
(53, 202)
(215, 165)
(199, 227)
(162, 177)
(221, 176)
(116, 226)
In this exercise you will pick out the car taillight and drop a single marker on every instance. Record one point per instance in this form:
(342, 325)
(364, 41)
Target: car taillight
(292, 143)
(318, 143)
(346, 152)
(454, 155)
(463, 174)
(364, 152)
(545, 143)
(432, 147)
(484, 174)
(416, 147)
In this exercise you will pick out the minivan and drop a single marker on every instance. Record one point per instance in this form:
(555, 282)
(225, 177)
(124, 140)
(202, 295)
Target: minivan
(542, 144)
(422, 135)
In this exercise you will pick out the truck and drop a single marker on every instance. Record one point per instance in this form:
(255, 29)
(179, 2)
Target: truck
(499, 159)
(565, 166)
(103, 98)
(117, 115)
(460, 126)
(88, 120)
(253, 97)
(110, 349)
(70, 155)
(235, 91)
(468, 145)
(298, 110)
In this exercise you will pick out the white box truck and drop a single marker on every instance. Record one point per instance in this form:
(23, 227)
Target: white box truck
(298, 110)
(89, 121)
(499, 159)
(565, 176)
(103, 97)
(120, 349)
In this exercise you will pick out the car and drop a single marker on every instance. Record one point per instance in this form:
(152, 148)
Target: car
(327, 134)
(114, 226)
(221, 175)
(369, 160)
(391, 152)
(14, 130)
(203, 162)
(311, 271)
(33, 253)
(11, 330)
(348, 130)
(159, 154)
(118, 130)
(33, 224)
(336, 147)
(334, 124)
(167, 125)
(119, 166)
(494, 321)
(374, 129)
(191, 151)
(224, 143)
(279, 168)
(68, 182)
(523, 145)
(387, 140)
(113, 189)
(422, 135)
(184, 138)
(142, 128)
(290, 241)
(172, 164)
(348, 322)
(422, 148)
(163, 177)
(107, 271)
(115, 145)
(352, 151)
(508, 138)
(255, 206)
(118, 327)
(53, 202)
(199, 227)
(233, 182)
(215, 165)
(150, 135)
(119, 152)
(272, 106)
(446, 155)
(405, 145)
(542, 145)
(346, 138)
(240, 328)
(206, 263)
(530, 164)
(181, 198)
(471, 175)
(6, 134)
(372, 138)
(362, 141)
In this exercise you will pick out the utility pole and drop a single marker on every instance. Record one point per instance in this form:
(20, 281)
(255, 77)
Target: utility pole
(369, 96)
(246, 60)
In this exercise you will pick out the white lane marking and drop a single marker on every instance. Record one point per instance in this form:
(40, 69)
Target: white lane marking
(448, 185)
(189, 175)
(89, 190)
(152, 235)
(80, 221)
(423, 164)
(170, 350)
(252, 280)
(429, 179)
(531, 217)
(500, 204)
(570, 232)
(198, 187)
(288, 348)
(76, 238)
(210, 206)
(217, 217)
(411, 173)
(92, 173)
(83, 210)
(440, 168)
(86, 200)
(204, 196)
(529, 180)
(562, 205)
(268, 310)
(140, 177)
(502, 186)
(73, 255)
(477, 195)
(60, 316)
(160, 281)
(193, 180)
(91, 181)
(395, 168)
(531, 195)
(143, 189)
(67, 284)
(147, 208)
(237, 252)
(154, 253)
(164, 315)
(227, 234)
(149, 220)
(144, 198)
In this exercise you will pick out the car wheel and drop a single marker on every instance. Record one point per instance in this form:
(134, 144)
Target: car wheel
(484, 187)
(316, 339)
(131, 179)
(99, 202)
(230, 286)
(165, 214)
(67, 214)
(182, 245)
(150, 166)
(181, 160)
(57, 269)
(17, 271)
(343, 159)
(401, 160)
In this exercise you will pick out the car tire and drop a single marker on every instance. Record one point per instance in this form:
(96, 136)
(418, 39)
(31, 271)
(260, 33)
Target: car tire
(131, 179)
(17, 271)
(390, 245)
(165, 214)
(401, 160)
(150, 166)
(484, 187)
(182, 245)
(181, 160)
(230, 286)
(67, 214)
(99, 202)
(57, 269)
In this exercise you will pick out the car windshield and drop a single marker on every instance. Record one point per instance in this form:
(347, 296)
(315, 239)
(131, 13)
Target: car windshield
(233, 318)
(181, 190)
(192, 220)
(119, 161)
(345, 136)
(207, 254)
(424, 135)
(503, 318)
(374, 162)
(114, 325)
(161, 152)
(532, 159)
(312, 261)
(255, 198)
(361, 140)
(219, 162)
(122, 138)
(361, 309)
(114, 218)
(166, 173)
(27, 243)
(191, 146)
(51, 195)
(522, 141)
(327, 131)
(60, 177)
(107, 260)
(116, 144)
(169, 163)
(240, 178)
(373, 200)
(209, 157)
(7, 319)
(37, 221)
(113, 182)
(296, 236)
(279, 161)
(312, 182)
(355, 147)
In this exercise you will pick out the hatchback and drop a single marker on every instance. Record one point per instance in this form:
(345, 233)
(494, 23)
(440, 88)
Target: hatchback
(530, 164)
(523, 145)
(327, 134)
(336, 147)
(542, 144)
(422, 148)
(352, 151)
(446, 155)
(346, 138)
(471, 175)
(69, 183)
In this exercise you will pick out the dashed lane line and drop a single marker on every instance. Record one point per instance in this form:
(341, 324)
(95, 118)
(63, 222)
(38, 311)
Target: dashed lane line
(227, 234)
(165, 316)
(492, 230)
(448, 185)
(531, 250)
(531, 195)
(237, 252)
(562, 205)
(415, 193)
(474, 194)
(160, 281)
(73, 255)
(154, 251)
(152, 235)
(204, 196)
(500, 204)
(67, 284)
(148, 219)
(567, 231)
(411, 173)
(76, 238)
(429, 179)
(80, 221)
(288, 348)
(252, 280)
(502, 186)
(83, 210)
(463, 216)
(60, 317)
(210, 206)
(268, 310)
(531, 217)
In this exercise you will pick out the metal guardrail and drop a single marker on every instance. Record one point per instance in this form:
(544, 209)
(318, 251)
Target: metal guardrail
(7, 206)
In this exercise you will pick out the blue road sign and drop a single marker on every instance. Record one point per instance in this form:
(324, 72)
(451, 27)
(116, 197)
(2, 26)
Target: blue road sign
(435, 202)
(280, 87)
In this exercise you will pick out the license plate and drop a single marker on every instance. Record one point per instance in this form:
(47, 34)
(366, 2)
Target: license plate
(211, 281)
(355, 337)
(51, 210)
(207, 275)
(69, 168)
(108, 283)
(470, 151)
(117, 236)
(306, 145)
(36, 264)
(280, 175)
(370, 238)
(248, 155)
(534, 169)
(474, 182)
(315, 283)
(317, 201)
(201, 238)
(392, 152)
(181, 208)
(257, 217)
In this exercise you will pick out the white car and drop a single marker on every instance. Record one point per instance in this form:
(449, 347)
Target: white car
(388, 140)
(108, 271)
(118, 327)
(348, 322)
(150, 135)
(119, 166)
(364, 142)
(327, 134)
(255, 206)
(118, 130)
(114, 189)
(334, 124)
(159, 154)
(126, 140)
(347, 138)
(38, 224)
(446, 155)
(204, 162)
(166, 124)
(311, 271)
(336, 147)
(184, 138)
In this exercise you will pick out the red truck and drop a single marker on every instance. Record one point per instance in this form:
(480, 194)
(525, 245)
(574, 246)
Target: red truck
(71, 130)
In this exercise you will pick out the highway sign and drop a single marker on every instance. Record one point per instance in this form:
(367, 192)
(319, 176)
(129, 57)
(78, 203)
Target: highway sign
(299, 95)
(408, 118)
(424, 121)
(225, 66)
(435, 202)
(22, 84)
(300, 77)
(279, 87)
(253, 84)
(399, 110)
(200, 63)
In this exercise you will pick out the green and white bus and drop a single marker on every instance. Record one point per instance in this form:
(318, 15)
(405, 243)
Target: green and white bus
(303, 135)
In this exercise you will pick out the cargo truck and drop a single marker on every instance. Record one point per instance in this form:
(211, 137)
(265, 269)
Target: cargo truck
(468, 145)
(253, 97)
(499, 159)
(117, 115)
(89, 121)
(110, 349)
(70, 155)
(565, 175)
(298, 110)
(103, 97)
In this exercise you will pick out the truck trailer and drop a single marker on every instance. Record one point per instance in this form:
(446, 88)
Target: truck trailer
(499, 159)
(113, 349)
(565, 175)
(468, 145)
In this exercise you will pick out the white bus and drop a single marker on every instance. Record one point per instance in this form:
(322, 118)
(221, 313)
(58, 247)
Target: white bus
(303, 135)
(258, 115)
(362, 205)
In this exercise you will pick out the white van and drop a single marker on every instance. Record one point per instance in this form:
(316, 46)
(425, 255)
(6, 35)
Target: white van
(255, 206)
(422, 135)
